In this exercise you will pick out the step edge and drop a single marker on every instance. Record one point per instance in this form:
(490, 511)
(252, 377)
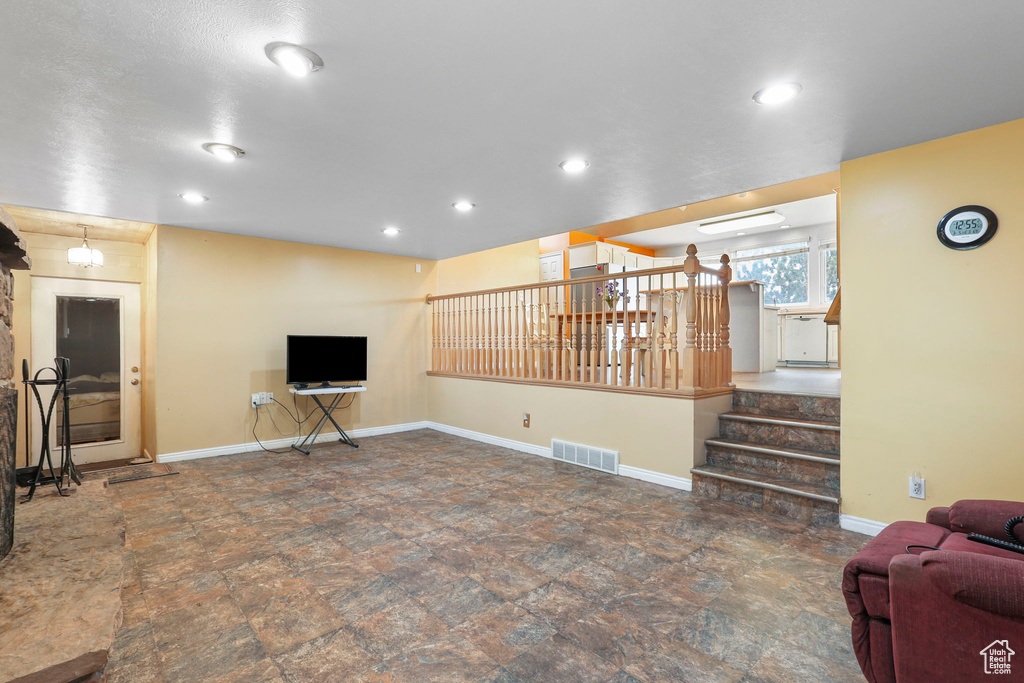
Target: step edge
(765, 485)
(772, 450)
(787, 393)
(787, 421)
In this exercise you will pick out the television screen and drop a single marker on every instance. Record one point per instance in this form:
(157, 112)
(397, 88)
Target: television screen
(315, 359)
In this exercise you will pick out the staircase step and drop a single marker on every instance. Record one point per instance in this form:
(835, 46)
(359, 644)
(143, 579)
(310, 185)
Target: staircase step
(799, 406)
(808, 435)
(794, 464)
(807, 502)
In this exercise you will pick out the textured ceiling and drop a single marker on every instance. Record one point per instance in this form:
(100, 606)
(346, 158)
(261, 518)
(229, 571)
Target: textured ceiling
(105, 104)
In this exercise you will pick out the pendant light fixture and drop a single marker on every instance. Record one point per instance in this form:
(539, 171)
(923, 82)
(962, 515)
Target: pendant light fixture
(85, 256)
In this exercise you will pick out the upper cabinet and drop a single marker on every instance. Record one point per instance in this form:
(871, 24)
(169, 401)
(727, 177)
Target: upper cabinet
(594, 253)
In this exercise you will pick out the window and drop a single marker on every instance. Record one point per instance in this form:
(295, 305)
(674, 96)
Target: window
(829, 272)
(783, 268)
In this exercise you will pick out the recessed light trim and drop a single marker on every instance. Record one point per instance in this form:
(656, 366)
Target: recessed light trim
(777, 93)
(193, 197)
(463, 206)
(574, 165)
(296, 60)
(223, 151)
(391, 231)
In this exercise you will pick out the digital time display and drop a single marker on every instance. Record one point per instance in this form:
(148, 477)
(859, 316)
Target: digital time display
(967, 227)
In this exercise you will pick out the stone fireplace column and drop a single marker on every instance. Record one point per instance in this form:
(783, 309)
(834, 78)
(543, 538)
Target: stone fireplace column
(13, 256)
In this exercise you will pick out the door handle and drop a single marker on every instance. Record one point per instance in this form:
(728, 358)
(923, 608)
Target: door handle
(135, 382)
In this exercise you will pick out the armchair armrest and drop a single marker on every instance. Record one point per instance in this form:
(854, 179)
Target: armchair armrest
(989, 583)
(947, 607)
(987, 517)
(938, 517)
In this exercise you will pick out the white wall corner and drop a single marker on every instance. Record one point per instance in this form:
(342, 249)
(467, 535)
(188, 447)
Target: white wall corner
(860, 525)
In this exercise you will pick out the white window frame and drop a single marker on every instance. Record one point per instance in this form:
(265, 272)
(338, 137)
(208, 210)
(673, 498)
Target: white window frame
(823, 247)
(808, 248)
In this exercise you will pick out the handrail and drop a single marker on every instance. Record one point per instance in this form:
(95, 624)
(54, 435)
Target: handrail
(659, 330)
(833, 315)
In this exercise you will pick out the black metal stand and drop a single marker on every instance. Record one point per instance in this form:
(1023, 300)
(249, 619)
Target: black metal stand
(68, 472)
(306, 444)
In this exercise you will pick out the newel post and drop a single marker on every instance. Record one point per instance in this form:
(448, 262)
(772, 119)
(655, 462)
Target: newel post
(725, 277)
(691, 267)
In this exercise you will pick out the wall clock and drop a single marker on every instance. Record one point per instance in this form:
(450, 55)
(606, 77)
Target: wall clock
(967, 227)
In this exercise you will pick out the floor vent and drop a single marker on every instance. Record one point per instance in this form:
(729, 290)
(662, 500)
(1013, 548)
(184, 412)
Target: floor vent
(588, 456)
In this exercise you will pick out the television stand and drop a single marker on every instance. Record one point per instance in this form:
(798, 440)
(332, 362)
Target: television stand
(306, 444)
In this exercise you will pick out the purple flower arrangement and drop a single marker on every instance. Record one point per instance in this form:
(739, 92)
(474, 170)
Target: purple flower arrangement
(609, 293)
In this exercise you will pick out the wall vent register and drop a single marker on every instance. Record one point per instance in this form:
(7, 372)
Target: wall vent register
(588, 456)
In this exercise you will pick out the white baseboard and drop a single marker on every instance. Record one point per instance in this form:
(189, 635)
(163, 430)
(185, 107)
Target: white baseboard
(669, 480)
(868, 527)
(287, 441)
(543, 451)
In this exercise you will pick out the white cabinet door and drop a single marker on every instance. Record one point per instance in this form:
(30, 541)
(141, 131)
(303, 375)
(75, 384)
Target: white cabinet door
(804, 339)
(583, 255)
(644, 262)
(551, 267)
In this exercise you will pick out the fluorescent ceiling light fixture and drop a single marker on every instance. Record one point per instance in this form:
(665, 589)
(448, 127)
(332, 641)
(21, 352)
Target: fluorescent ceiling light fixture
(391, 231)
(223, 151)
(783, 227)
(463, 206)
(778, 93)
(84, 255)
(757, 220)
(294, 59)
(574, 165)
(193, 197)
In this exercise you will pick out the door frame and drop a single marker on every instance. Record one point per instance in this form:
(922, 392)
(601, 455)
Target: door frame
(44, 293)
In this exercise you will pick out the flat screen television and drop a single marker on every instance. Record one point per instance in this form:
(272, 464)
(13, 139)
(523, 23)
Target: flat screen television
(314, 359)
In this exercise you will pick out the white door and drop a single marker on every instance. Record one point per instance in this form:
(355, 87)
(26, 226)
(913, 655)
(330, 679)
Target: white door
(551, 267)
(97, 326)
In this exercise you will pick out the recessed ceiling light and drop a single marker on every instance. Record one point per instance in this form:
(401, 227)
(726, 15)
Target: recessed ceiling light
(391, 231)
(574, 165)
(778, 93)
(193, 197)
(294, 59)
(740, 233)
(223, 151)
(463, 206)
(783, 227)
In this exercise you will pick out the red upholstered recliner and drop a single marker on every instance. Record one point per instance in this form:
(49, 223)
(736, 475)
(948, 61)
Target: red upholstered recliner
(923, 617)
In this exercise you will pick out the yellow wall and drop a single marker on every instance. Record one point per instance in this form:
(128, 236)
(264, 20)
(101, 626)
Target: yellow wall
(149, 327)
(225, 304)
(123, 262)
(932, 355)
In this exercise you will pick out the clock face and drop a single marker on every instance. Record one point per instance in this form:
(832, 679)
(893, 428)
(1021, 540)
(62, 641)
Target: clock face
(967, 227)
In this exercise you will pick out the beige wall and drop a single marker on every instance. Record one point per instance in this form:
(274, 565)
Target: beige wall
(225, 304)
(515, 264)
(932, 354)
(123, 262)
(649, 432)
(149, 327)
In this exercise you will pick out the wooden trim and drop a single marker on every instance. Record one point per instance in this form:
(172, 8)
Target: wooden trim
(681, 392)
(832, 317)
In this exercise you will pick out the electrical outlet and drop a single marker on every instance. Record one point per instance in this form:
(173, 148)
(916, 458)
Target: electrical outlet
(916, 486)
(255, 400)
(270, 397)
(419, 268)
(526, 420)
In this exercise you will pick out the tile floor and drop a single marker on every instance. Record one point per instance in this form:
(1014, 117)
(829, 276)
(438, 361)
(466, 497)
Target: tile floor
(426, 557)
(812, 381)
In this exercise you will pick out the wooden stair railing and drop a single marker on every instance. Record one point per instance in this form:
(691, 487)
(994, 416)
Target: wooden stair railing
(662, 331)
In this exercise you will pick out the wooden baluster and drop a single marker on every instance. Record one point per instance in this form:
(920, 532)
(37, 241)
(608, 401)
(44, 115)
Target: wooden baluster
(691, 266)
(659, 341)
(674, 335)
(601, 335)
(594, 321)
(724, 317)
(613, 345)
